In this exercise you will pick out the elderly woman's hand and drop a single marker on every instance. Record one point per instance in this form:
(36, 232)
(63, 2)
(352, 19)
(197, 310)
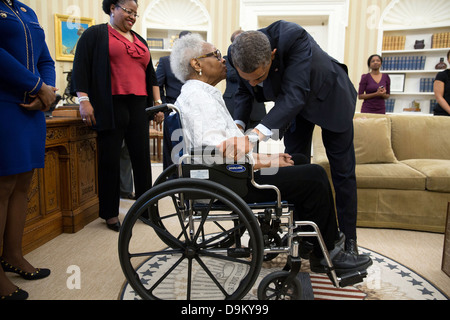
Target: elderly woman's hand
(235, 148)
(159, 117)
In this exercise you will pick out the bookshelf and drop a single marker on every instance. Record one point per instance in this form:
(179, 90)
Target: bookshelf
(164, 20)
(402, 24)
(401, 60)
(160, 40)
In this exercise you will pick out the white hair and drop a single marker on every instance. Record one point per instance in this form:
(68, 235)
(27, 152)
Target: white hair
(184, 50)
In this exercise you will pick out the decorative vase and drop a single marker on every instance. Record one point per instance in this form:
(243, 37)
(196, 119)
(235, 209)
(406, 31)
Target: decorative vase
(420, 44)
(441, 65)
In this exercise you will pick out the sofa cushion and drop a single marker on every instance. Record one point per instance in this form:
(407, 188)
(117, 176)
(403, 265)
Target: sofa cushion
(373, 141)
(436, 171)
(420, 137)
(389, 176)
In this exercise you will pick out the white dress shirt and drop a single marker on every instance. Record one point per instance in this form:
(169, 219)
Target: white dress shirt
(205, 117)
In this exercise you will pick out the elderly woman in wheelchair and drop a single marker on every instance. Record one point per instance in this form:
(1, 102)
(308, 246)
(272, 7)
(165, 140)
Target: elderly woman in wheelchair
(220, 231)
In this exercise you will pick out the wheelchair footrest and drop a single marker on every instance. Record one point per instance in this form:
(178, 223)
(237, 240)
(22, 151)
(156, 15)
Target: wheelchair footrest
(352, 278)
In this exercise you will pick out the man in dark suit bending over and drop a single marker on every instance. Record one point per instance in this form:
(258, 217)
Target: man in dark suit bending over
(284, 64)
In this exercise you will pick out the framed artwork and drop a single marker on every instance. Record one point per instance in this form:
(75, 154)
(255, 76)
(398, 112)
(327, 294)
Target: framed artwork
(397, 82)
(68, 30)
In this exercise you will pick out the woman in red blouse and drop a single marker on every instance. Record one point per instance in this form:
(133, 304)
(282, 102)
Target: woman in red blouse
(114, 79)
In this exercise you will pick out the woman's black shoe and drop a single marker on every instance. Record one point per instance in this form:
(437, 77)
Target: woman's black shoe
(19, 294)
(36, 275)
(114, 226)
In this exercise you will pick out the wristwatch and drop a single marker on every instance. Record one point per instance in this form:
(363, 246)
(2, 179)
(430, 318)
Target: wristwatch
(158, 101)
(253, 137)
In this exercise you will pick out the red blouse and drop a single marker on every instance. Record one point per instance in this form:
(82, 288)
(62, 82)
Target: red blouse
(129, 61)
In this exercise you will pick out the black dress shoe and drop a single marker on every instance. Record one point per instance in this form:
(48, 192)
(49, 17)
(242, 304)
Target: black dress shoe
(36, 275)
(343, 262)
(351, 246)
(114, 226)
(17, 295)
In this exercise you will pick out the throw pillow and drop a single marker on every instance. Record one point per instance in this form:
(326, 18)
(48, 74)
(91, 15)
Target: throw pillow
(373, 141)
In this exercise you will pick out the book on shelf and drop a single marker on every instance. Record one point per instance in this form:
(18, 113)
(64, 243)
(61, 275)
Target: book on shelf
(155, 43)
(426, 84)
(394, 43)
(390, 104)
(404, 63)
(433, 103)
(440, 40)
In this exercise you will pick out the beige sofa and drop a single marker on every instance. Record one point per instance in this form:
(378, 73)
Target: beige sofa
(402, 170)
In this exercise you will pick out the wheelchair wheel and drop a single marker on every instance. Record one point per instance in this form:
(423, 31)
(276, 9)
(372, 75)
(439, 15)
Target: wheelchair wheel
(273, 287)
(169, 174)
(180, 254)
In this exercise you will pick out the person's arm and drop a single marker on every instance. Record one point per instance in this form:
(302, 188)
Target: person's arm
(272, 160)
(381, 92)
(16, 74)
(439, 89)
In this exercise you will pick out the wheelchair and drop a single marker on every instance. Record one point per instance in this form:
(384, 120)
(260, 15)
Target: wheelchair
(204, 241)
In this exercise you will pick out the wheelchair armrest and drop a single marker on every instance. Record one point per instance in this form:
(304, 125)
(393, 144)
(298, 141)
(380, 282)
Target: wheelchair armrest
(209, 150)
(152, 111)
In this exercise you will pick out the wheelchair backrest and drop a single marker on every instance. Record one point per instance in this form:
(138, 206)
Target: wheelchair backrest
(235, 176)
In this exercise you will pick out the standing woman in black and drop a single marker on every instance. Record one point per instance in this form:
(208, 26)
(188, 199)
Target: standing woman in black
(114, 79)
(442, 92)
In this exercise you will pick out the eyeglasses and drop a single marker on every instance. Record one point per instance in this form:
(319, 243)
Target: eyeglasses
(130, 12)
(216, 53)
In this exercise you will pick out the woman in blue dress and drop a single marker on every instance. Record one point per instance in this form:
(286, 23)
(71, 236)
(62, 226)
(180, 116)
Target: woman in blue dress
(27, 81)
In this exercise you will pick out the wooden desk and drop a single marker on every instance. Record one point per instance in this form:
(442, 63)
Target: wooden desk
(63, 197)
(446, 254)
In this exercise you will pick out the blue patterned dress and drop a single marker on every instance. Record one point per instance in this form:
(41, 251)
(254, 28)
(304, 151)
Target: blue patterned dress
(25, 64)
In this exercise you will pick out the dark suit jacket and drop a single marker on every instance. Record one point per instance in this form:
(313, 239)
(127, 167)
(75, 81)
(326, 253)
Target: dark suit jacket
(303, 80)
(169, 85)
(258, 110)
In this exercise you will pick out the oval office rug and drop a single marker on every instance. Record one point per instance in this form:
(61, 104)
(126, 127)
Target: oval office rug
(386, 280)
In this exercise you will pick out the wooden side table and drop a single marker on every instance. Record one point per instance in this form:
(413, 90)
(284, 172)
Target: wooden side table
(446, 255)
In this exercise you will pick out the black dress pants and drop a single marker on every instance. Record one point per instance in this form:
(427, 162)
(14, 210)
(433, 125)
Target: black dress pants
(306, 186)
(341, 155)
(131, 124)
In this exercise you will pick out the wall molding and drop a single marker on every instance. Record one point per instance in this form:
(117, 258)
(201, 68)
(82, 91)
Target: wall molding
(336, 12)
(178, 15)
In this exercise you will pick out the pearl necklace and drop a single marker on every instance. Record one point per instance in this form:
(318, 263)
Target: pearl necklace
(9, 2)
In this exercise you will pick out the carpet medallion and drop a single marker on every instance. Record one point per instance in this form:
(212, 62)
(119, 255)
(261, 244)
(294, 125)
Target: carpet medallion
(386, 280)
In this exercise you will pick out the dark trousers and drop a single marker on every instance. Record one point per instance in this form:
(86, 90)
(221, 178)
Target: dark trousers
(306, 186)
(131, 124)
(341, 155)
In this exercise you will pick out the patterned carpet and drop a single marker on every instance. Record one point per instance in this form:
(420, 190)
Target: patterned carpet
(386, 280)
